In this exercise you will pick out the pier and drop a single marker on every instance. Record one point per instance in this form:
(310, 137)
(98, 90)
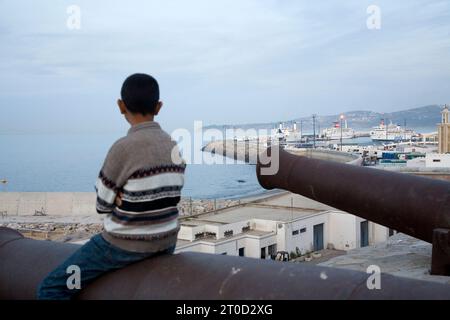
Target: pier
(247, 151)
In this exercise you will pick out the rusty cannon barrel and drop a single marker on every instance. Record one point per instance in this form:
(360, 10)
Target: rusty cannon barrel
(417, 206)
(187, 276)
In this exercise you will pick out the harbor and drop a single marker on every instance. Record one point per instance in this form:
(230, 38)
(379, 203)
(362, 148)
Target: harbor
(385, 146)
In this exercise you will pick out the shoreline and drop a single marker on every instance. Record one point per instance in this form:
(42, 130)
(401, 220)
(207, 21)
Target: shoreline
(79, 227)
(247, 195)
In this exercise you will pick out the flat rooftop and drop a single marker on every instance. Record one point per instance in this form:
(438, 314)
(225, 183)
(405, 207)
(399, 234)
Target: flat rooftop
(297, 201)
(252, 212)
(194, 222)
(257, 233)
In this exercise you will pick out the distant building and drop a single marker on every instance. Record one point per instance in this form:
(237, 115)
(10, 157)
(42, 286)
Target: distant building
(444, 132)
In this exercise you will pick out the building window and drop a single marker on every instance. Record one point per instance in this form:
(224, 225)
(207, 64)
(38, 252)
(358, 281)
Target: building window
(302, 230)
(295, 232)
(205, 235)
(436, 160)
(241, 252)
(228, 233)
(199, 235)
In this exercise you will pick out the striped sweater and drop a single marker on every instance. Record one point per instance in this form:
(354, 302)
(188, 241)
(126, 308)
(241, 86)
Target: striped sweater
(139, 167)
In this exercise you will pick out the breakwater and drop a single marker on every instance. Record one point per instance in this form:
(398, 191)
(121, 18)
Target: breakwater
(248, 151)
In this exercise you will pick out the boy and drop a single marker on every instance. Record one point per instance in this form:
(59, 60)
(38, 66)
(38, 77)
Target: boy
(138, 189)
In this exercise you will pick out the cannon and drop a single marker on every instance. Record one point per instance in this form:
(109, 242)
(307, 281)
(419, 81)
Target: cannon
(413, 205)
(189, 276)
(417, 206)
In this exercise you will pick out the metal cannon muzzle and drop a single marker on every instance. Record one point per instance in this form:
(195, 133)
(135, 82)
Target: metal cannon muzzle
(417, 206)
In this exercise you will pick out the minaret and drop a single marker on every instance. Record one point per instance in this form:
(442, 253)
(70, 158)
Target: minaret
(444, 132)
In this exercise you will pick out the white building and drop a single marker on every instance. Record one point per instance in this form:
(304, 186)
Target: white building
(442, 158)
(437, 160)
(260, 230)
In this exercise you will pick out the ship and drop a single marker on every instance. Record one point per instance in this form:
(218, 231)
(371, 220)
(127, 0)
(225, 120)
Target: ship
(287, 135)
(390, 132)
(336, 132)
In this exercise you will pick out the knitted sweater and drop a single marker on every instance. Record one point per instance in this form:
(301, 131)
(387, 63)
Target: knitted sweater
(140, 167)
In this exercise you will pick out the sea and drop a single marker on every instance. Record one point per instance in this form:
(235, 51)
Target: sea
(71, 163)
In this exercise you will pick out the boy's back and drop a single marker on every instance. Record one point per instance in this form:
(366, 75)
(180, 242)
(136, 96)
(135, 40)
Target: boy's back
(138, 188)
(139, 168)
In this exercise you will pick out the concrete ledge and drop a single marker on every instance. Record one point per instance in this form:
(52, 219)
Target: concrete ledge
(54, 203)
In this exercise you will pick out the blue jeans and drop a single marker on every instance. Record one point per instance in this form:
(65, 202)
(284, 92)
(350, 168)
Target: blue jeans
(95, 258)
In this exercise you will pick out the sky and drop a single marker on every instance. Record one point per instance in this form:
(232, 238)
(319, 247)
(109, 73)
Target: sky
(221, 61)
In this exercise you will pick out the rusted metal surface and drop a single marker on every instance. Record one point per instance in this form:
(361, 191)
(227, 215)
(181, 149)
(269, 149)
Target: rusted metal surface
(441, 252)
(25, 262)
(187, 276)
(413, 205)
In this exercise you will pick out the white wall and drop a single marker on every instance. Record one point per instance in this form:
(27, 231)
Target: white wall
(236, 227)
(212, 229)
(304, 241)
(345, 231)
(197, 247)
(437, 160)
(252, 247)
(281, 235)
(380, 233)
(264, 225)
(54, 203)
(342, 231)
(188, 232)
(228, 247)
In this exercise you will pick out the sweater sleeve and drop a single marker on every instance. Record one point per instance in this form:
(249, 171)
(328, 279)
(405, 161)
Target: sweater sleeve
(111, 179)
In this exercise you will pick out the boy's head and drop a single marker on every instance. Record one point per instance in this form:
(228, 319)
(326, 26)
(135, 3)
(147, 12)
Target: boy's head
(140, 95)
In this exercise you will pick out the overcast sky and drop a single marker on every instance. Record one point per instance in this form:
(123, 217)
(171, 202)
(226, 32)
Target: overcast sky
(218, 61)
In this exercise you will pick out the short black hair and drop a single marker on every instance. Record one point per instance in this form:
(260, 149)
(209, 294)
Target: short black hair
(140, 93)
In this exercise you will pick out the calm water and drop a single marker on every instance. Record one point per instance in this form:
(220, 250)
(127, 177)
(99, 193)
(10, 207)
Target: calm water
(71, 163)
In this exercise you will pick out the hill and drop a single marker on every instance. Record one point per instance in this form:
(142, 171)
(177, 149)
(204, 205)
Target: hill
(422, 117)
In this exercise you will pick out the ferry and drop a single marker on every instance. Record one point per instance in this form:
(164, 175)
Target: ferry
(287, 135)
(390, 132)
(336, 132)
